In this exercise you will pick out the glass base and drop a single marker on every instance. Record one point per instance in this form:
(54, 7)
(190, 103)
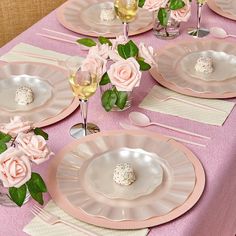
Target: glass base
(6, 201)
(77, 131)
(198, 33)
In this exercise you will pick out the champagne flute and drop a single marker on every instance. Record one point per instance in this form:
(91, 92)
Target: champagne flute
(84, 85)
(126, 10)
(199, 32)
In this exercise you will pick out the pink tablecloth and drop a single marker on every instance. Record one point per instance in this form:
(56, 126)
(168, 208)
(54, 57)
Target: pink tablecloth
(215, 213)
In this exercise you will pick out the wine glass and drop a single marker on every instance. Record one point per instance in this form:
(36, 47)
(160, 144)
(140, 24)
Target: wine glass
(199, 32)
(126, 10)
(84, 85)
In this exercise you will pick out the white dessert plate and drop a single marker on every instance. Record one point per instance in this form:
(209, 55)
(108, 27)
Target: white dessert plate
(221, 61)
(218, 8)
(181, 186)
(175, 69)
(147, 167)
(53, 98)
(84, 17)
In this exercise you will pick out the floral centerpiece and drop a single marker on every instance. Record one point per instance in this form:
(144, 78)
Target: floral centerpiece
(21, 145)
(168, 10)
(119, 63)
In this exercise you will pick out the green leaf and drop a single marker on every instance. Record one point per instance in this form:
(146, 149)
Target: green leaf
(141, 3)
(40, 132)
(121, 99)
(5, 137)
(131, 49)
(104, 40)
(143, 65)
(36, 184)
(37, 197)
(87, 42)
(121, 51)
(3, 147)
(18, 194)
(176, 4)
(163, 16)
(109, 98)
(105, 79)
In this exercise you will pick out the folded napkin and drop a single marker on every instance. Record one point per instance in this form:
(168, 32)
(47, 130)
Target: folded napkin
(27, 52)
(37, 227)
(188, 111)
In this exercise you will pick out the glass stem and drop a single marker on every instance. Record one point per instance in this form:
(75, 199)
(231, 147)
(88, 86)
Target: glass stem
(84, 112)
(126, 30)
(199, 14)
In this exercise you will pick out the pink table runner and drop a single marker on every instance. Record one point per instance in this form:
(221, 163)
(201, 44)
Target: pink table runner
(215, 213)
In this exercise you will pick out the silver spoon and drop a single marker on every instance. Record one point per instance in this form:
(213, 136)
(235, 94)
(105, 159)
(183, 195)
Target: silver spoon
(140, 119)
(220, 33)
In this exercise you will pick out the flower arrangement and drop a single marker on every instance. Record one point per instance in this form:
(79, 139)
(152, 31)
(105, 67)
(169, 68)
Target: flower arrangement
(179, 10)
(21, 145)
(119, 63)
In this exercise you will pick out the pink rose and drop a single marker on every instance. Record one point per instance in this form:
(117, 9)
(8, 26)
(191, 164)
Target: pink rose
(147, 53)
(125, 74)
(15, 169)
(154, 5)
(182, 14)
(34, 146)
(15, 126)
(118, 40)
(95, 65)
(101, 50)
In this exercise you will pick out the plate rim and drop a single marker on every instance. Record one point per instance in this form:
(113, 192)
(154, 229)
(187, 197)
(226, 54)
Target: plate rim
(62, 115)
(156, 75)
(212, 5)
(60, 17)
(126, 224)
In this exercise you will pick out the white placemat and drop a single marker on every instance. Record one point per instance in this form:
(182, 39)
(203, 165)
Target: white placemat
(18, 53)
(37, 227)
(187, 111)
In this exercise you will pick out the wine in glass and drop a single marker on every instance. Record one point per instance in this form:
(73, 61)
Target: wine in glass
(84, 85)
(199, 32)
(126, 10)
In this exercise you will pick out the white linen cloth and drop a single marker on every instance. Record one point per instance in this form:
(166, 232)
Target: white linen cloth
(187, 111)
(17, 54)
(37, 227)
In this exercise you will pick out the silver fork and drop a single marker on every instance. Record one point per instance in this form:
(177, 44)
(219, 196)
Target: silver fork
(53, 219)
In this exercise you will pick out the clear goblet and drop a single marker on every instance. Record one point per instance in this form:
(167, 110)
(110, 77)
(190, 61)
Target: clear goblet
(84, 85)
(126, 10)
(199, 32)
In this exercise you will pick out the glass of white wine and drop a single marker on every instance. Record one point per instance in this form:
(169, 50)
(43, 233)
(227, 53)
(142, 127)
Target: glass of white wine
(84, 85)
(126, 10)
(199, 32)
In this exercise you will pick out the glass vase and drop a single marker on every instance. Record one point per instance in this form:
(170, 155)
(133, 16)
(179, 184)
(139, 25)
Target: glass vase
(128, 104)
(5, 199)
(171, 31)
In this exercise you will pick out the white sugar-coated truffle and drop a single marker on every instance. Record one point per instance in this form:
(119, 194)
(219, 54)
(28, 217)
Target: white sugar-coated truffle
(24, 95)
(107, 14)
(124, 174)
(204, 65)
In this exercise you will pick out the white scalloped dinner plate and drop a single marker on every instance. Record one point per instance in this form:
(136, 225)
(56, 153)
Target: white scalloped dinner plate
(219, 10)
(181, 78)
(53, 98)
(76, 16)
(182, 184)
(228, 6)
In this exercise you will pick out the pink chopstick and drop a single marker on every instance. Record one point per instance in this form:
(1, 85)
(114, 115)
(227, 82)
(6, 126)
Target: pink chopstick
(57, 38)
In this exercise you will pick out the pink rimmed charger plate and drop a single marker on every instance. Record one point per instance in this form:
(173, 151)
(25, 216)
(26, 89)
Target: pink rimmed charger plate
(83, 17)
(171, 75)
(92, 145)
(43, 79)
(213, 6)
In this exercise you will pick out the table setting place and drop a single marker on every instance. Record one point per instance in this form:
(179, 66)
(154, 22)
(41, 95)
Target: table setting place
(126, 110)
